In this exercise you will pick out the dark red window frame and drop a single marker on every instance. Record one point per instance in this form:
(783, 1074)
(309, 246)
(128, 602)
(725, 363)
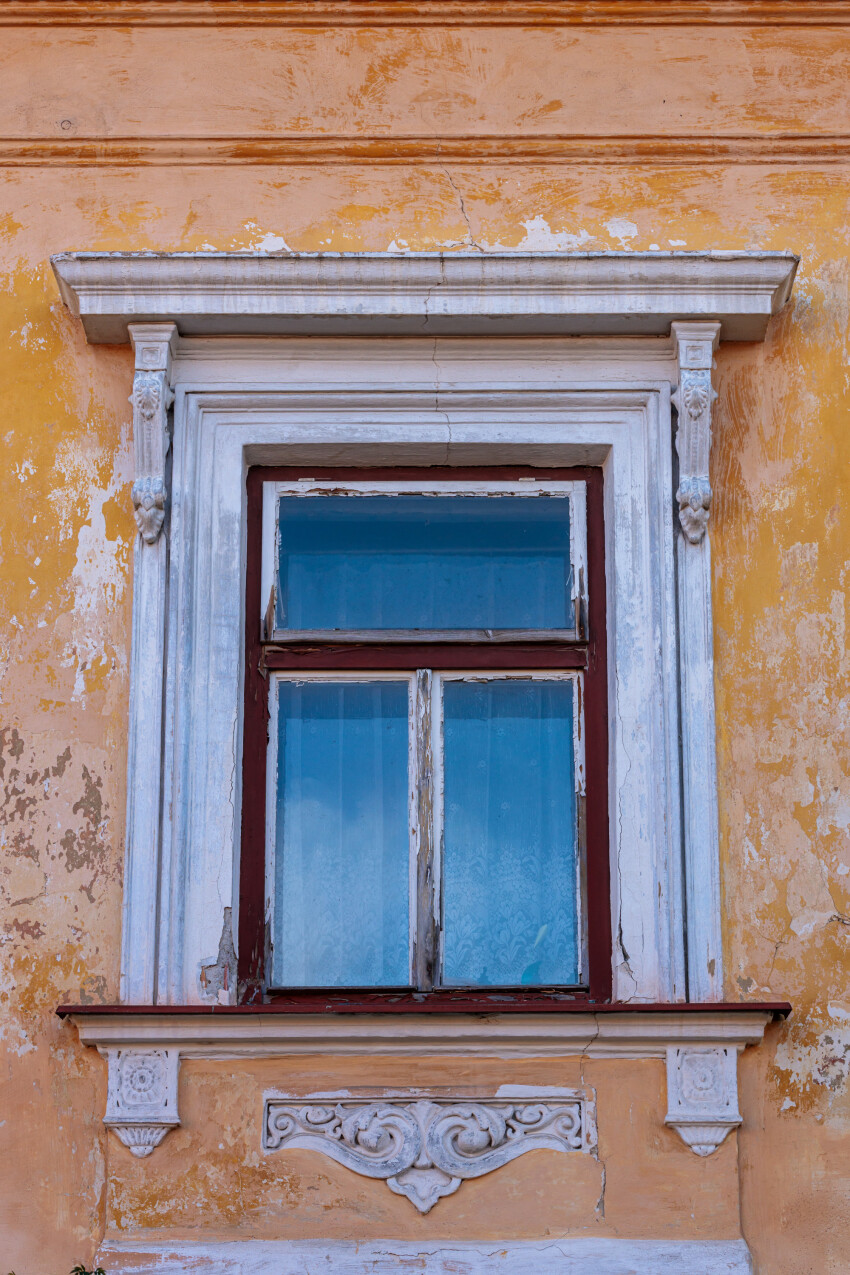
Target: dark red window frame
(262, 658)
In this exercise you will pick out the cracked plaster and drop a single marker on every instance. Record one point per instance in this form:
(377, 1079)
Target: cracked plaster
(780, 604)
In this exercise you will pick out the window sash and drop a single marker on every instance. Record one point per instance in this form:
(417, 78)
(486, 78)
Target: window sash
(327, 654)
(527, 488)
(426, 780)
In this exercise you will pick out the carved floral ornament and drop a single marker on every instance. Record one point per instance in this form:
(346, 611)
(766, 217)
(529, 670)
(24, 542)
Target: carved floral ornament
(151, 398)
(148, 496)
(425, 1148)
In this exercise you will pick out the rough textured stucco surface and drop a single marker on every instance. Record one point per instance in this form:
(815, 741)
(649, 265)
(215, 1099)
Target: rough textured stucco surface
(780, 538)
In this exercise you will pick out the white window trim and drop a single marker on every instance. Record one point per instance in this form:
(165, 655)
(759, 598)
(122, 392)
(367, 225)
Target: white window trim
(377, 400)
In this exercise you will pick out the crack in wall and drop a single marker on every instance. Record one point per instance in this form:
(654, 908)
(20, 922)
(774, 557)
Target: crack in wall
(470, 238)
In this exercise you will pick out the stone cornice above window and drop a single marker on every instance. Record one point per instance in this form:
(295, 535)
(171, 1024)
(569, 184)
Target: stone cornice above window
(440, 294)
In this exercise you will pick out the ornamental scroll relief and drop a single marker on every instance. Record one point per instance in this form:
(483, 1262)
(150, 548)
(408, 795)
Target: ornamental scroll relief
(424, 1148)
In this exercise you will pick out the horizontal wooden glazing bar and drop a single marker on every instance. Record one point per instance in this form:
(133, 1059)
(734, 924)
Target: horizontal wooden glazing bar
(449, 656)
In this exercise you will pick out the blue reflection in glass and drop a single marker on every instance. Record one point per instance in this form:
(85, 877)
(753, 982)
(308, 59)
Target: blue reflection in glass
(424, 562)
(342, 850)
(509, 854)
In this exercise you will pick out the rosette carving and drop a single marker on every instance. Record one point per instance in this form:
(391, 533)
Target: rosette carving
(141, 1101)
(702, 1095)
(424, 1148)
(147, 393)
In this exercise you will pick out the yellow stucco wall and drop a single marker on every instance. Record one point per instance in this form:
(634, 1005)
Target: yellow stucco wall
(229, 125)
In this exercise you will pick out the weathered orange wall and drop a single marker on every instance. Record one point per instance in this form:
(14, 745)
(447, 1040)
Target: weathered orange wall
(160, 137)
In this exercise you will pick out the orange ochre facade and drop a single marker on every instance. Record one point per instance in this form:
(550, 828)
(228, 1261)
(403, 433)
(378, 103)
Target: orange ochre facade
(176, 125)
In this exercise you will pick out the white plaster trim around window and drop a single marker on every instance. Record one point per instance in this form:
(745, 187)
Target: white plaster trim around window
(535, 399)
(553, 1256)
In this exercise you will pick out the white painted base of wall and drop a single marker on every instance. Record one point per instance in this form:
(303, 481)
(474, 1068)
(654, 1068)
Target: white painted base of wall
(387, 1257)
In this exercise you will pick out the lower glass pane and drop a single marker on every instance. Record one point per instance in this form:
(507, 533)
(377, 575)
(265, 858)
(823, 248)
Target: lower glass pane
(342, 845)
(510, 846)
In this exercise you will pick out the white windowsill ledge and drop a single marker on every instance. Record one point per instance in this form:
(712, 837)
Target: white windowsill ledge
(242, 1034)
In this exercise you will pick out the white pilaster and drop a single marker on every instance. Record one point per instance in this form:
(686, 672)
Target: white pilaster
(151, 398)
(695, 344)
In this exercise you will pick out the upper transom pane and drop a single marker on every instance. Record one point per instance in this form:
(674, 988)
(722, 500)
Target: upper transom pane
(401, 562)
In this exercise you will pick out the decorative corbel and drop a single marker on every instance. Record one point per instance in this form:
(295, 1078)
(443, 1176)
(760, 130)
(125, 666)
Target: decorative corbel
(695, 345)
(702, 1095)
(151, 398)
(141, 1103)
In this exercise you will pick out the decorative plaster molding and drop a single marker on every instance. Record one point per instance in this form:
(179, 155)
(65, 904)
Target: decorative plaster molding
(141, 1104)
(702, 1095)
(424, 1148)
(617, 293)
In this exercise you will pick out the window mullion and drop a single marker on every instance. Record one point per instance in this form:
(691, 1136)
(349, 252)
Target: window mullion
(425, 893)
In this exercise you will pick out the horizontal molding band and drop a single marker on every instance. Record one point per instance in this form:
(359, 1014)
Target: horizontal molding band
(589, 151)
(592, 1035)
(417, 13)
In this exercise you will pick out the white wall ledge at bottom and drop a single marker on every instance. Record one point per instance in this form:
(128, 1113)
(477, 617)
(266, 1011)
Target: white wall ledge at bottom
(246, 1035)
(385, 1257)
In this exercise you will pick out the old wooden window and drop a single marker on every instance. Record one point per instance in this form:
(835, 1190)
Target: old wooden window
(424, 788)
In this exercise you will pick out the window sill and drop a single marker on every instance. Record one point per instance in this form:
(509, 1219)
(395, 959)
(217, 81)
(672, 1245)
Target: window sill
(144, 1045)
(631, 1030)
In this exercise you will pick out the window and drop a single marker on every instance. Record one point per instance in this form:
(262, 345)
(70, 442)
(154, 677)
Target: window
(425, 793)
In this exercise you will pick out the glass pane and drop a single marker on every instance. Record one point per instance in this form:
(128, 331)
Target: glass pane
(425, 562)
(342, 852)
(509, 857)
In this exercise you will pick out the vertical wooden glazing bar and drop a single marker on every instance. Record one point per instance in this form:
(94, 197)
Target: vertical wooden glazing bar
(425, 936)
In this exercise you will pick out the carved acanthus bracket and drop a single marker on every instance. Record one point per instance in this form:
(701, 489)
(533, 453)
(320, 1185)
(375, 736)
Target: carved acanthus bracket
(424, 1148)
(695, 345)
(151, 398)
(702, 1095)
(141, 1103)
(149, 506)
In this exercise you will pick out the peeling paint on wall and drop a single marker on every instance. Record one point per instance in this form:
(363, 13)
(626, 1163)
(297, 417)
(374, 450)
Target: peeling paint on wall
(780, 548)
